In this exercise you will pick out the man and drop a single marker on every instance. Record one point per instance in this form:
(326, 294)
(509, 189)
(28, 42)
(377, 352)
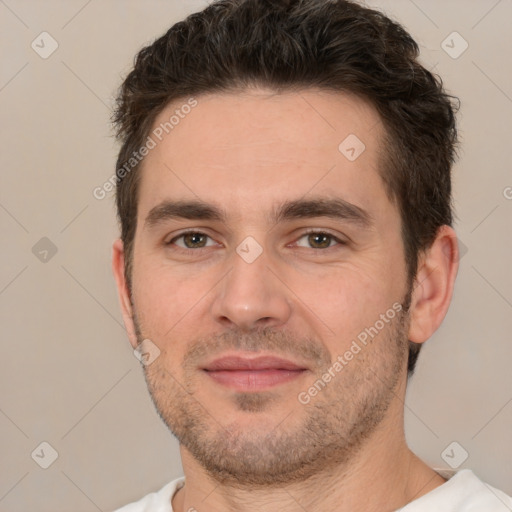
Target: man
(286, 247)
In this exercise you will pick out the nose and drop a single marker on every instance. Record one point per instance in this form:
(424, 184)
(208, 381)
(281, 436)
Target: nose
(251, 296)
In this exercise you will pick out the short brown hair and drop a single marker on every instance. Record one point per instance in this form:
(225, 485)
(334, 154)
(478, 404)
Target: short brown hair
(284, 45)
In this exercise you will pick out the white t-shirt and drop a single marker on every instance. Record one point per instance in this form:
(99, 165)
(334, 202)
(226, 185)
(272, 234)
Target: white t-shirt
(463, 492)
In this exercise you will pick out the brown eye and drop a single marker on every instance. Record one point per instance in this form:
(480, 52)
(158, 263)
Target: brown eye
(319, 240)
(191, 240)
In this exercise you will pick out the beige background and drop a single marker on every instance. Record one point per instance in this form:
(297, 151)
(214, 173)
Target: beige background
(68, 375)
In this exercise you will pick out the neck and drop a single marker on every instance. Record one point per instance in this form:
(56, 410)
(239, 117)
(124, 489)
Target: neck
(383, 475)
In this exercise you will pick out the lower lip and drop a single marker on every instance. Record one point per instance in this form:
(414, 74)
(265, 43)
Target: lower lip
(253, 380)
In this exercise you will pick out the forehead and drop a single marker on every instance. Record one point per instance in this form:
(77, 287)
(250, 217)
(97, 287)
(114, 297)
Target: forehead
(260, 147)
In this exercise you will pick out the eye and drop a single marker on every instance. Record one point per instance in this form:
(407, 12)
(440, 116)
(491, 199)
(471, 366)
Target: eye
(319, 240)
(191, 240)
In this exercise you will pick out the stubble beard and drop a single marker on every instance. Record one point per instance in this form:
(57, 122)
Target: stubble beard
(312, 439)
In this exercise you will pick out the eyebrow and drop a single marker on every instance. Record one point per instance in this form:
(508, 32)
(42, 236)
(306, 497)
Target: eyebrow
(337, 209)
(191, 210)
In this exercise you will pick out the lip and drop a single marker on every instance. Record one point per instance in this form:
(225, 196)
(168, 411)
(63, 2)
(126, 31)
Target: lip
(252, 374)
(255, 363)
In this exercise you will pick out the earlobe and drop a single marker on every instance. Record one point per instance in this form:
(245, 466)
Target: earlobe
(122, 290)
(433, 286)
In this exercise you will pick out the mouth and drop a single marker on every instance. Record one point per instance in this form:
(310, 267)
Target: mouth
(253, 374)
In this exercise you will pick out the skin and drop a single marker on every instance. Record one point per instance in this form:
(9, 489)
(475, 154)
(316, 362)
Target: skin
(247, 152)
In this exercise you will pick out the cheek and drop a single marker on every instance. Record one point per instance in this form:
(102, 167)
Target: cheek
(165, 303)
(348, 299)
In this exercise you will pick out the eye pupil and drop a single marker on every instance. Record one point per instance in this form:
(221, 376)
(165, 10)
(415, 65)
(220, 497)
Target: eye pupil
(321, 240)
(194, 240)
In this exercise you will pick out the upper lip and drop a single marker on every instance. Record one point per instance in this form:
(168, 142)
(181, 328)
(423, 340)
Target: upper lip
(255, 363)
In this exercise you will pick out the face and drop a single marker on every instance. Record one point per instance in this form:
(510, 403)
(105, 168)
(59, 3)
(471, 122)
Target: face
(269, 271)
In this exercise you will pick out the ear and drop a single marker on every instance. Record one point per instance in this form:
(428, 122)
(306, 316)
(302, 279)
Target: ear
(433, 285)
(122, 290)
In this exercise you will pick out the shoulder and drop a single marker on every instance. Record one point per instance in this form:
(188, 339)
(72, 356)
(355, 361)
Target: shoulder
(463, 492)
(159, 501)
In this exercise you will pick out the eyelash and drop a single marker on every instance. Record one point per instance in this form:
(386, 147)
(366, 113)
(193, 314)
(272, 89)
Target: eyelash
(305, 233)
(334, 238)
